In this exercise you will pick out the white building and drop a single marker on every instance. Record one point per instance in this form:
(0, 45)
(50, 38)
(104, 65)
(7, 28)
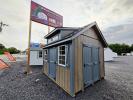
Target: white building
(36, 55)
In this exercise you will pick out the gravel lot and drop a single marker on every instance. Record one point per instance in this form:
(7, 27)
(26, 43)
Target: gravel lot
(118, 84)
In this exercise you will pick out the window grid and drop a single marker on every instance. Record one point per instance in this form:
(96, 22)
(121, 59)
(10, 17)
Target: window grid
(62, 55)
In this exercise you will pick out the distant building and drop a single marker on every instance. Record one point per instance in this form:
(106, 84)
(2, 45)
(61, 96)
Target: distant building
(36, 54)
(109, 55)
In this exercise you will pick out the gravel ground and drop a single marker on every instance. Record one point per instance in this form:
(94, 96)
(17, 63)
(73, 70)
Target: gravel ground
(118, 84)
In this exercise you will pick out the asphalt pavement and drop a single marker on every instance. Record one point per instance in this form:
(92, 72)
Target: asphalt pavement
(117, 85)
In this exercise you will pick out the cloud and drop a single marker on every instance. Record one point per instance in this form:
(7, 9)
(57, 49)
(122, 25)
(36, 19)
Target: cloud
(114, 17)
(119, 34)
(15, 13)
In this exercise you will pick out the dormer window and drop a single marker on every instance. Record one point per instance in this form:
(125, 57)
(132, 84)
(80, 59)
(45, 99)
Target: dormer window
(54, 38)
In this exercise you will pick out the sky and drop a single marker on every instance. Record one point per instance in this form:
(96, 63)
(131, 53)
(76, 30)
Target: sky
(114, 18)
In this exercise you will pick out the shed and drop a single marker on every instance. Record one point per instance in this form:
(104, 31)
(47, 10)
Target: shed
(36, 56)
(74, 57)
(109, 55)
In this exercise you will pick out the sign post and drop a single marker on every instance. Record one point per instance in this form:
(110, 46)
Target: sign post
(43, 16)
(28, 69)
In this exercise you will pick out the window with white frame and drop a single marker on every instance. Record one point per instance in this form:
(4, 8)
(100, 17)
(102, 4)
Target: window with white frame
(46, 55)
(62, 55)
(40, 54)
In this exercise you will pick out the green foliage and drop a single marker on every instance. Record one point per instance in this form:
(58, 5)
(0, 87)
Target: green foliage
(12, 50)
(131, 47)
(121, 48)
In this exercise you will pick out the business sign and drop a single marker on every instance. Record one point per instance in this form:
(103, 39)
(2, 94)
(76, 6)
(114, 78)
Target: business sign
(45, 16)
(9, 56)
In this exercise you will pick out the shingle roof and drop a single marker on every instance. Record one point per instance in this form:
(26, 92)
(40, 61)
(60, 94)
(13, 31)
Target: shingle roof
(61, 28)
(77, 31)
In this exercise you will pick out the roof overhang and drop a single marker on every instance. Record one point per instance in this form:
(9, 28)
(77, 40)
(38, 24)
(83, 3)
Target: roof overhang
(96, 28)
(58, 29)
(68, 40)
(85, 28)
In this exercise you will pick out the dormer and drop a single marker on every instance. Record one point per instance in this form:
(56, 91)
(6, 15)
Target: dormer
(60, 33)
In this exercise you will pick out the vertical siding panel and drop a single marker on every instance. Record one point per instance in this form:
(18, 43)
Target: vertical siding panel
(57, 75)
(65, 82)
(82, 81)
(80, 62)
(75, 74)
(102, 70)
(63, 77)
(76, 65)
(46, 68)
(60, 75)
(68, 80)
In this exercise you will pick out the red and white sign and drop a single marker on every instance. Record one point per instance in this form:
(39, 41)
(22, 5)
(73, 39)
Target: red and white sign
(45, 16)
(9, 56)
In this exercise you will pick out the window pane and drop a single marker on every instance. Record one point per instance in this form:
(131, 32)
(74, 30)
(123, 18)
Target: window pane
(40, 54)
(63, 52)
(63, 48)
(63, 58)
(62, 55)
(63, 62)
(60, 47)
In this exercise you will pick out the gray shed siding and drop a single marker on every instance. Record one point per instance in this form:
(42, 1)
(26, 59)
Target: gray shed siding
(71, 78)
(63, 74)
(89, 37)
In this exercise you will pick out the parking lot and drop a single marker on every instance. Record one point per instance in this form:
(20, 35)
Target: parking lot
(117, 85)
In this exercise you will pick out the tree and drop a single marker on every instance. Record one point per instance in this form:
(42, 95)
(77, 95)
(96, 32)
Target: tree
(131, 47)
(13, 50)
(120, 48)
(2, 46)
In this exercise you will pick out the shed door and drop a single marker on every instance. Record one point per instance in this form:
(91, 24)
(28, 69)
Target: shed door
(95, 57)
(52, 62)
(88, 70)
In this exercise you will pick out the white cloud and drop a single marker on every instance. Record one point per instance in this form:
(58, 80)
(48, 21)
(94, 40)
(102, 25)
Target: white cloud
(109, 14)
